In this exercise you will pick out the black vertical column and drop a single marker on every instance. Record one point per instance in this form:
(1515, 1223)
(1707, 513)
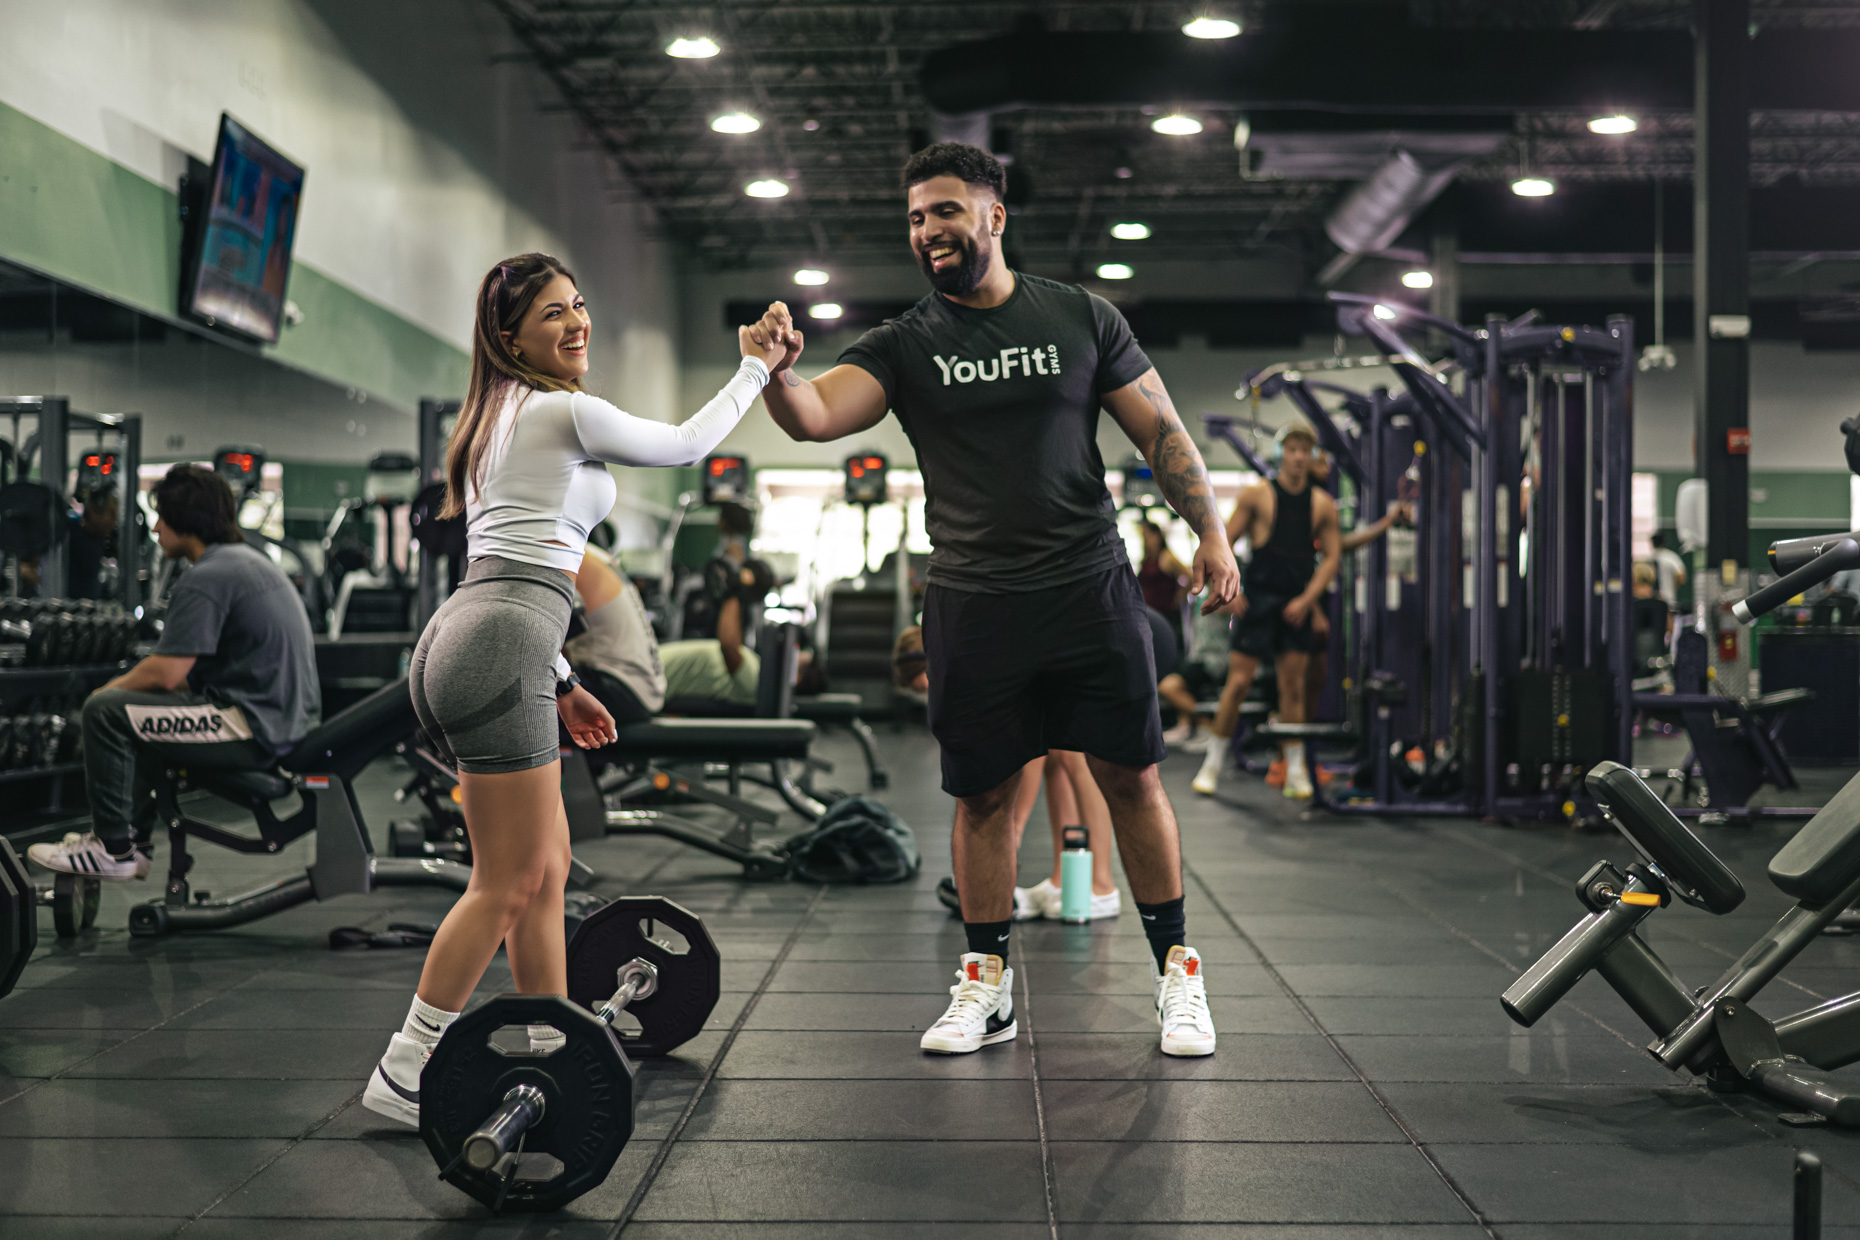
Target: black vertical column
(1721, 273)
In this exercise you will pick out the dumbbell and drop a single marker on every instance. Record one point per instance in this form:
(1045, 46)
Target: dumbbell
(485, 1105)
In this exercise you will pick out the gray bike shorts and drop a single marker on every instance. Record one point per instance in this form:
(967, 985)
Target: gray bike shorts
(483, 675)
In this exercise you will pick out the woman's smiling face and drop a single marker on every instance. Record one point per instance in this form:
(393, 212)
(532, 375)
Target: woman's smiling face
(553, 336)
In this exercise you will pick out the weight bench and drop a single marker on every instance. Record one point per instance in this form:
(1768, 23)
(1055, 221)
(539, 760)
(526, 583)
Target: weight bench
(1712, 1032)
(646, 759)
(319, 771)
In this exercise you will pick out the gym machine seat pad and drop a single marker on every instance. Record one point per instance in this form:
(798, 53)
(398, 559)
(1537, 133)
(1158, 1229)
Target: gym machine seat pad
(715, 740)
(1823, 859)
(1662, 839)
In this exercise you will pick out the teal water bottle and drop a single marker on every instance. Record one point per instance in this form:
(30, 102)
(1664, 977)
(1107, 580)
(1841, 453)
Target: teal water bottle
(1075, 875)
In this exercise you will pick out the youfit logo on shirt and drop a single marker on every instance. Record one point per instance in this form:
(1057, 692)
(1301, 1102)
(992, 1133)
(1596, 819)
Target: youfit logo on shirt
(1027, 361)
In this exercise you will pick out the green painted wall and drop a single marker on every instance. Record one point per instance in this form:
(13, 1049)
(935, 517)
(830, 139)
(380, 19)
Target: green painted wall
(78, 216)
(1792, 504)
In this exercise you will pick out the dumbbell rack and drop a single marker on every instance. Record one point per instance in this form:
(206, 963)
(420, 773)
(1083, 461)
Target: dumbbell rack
(21, 686)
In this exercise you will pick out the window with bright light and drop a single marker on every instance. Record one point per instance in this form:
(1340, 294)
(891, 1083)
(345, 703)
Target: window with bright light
(1645, 514)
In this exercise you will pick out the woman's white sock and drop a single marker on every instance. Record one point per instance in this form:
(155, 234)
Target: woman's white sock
(426, 1023)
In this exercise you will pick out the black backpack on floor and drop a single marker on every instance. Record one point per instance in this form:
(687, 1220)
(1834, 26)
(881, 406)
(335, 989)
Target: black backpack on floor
(859, 840)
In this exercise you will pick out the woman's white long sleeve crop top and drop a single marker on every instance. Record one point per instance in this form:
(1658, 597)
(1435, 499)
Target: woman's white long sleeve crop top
(545, 482)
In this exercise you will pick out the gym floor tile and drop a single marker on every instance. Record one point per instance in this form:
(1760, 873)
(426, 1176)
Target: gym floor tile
(176, 1176)
(1131, 1111)
(85, 1227)
(1669, 1231)
(872, 1182)
(1222, 1182)
(99, 1009)
(1275, 1231)
(893, 1230)
(381, 1010)
(1529, 1112)
(807, 1055)
(1621, 1184)
(235, 1054)
(761, 1110)
(879, 1013)
(1470, 980)
(1438, 1017)
(392, 1178)
(33, 1053)
(483, 1227)
(1441, 949)
(1084, 1013)
(1394, 928)
(1224, 977)
(1135, 1057)
(1524, 1055)
(94, 1107)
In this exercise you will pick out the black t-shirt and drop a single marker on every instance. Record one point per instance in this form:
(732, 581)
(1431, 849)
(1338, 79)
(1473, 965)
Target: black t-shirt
(1002, 408)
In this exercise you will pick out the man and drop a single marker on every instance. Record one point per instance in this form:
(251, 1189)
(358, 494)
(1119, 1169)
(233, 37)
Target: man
(232, 682)
(719, 671)
(1284, 519)
(616, 653)
(1034, 630)
(1671, 567)
(90, 540)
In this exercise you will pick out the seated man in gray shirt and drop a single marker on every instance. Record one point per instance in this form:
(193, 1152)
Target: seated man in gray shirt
(616, 654)
(232, 682)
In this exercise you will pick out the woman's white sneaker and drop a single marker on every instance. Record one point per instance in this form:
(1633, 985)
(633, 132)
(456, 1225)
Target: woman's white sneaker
(981, 1008)
(394, 1089)
(1182, 1004)
(1030, 902)
(1109, 904)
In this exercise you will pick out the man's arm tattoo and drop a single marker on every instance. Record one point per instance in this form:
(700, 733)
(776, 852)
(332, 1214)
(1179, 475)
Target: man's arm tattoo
(1177, 463)
(790, 378)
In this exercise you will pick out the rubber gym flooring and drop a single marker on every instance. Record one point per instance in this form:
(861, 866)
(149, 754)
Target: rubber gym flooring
(1367, 1084)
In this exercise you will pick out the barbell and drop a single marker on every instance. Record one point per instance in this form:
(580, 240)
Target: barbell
(527, 1122)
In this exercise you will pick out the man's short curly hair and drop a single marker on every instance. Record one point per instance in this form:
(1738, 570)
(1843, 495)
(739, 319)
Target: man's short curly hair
(958, 159)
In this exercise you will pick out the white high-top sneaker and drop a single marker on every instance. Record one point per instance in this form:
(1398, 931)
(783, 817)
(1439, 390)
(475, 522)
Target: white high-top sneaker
(1297, 778)
(1182, 1004)
(1208, 780)
(981, 1008)
(394, 1089)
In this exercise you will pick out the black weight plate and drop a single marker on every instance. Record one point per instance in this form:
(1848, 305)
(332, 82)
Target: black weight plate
(90, 896)
(587, 1089)
(19, 917)
(689, 983)
(67, 906)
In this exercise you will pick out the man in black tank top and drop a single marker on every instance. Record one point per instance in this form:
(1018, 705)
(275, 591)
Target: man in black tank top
(1286, 519)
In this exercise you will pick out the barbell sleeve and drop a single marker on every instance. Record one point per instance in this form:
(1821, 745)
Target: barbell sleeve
(639, 977)
(499, 1134)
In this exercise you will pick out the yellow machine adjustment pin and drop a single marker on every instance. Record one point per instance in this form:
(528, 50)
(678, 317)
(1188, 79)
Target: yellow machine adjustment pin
(1646, 899)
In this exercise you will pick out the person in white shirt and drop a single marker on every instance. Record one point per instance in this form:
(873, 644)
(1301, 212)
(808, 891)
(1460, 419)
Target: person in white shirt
(527, 465)
(1672, 569)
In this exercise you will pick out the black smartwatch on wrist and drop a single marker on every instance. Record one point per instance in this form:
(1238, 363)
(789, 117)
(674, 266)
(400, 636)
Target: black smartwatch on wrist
(565, 687)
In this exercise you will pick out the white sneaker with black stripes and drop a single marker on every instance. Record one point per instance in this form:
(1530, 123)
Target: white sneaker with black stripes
(85, 855)
(981, 1008)
(394, 1089)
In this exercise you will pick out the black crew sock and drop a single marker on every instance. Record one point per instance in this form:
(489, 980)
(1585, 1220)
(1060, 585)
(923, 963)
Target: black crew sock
(1165, 925)
(990, 938)
(119, 850)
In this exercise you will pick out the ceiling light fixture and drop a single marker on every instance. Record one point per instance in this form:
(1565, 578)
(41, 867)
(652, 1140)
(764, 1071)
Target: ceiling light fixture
(826, 310)
(736, 122)
(1383, 312)
(770, 188)
(692, 49)
(1176, 125)
(1211, 28)
(1131, 231)
(1532, 187)
(1115, 271)
(811, 275)
(1417, 279)
(1615, 124)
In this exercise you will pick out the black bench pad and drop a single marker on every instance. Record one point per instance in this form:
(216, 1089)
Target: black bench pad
(1824, 857)
(243, 785)
(350, 740)
(717, 740)
(1660, 837)
(829, 707)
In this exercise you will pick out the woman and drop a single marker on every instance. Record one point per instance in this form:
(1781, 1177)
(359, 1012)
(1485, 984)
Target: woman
(1162, 578)
(526, 467)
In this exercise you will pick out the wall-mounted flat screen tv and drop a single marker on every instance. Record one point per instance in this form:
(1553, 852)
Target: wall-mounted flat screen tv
(243, 218)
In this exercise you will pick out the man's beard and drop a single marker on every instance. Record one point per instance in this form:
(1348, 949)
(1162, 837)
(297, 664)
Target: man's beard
(965, 276)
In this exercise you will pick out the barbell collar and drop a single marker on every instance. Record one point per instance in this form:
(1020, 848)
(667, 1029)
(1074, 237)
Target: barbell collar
(638, 979)
(499, 1134)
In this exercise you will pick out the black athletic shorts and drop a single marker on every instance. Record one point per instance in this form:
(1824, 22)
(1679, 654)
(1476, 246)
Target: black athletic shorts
(1013, 675)
(1263, 633)
(1196, 679)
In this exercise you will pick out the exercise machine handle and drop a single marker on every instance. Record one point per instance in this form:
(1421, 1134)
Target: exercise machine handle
(1789, 554)
(1842, 555)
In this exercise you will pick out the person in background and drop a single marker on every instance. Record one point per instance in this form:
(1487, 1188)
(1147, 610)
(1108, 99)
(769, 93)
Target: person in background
(1671, 568)
(92, 539)
(1162, 578)
(616, 654)
(709, 672)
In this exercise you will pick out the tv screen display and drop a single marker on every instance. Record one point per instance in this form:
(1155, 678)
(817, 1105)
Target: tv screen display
(244, 244)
